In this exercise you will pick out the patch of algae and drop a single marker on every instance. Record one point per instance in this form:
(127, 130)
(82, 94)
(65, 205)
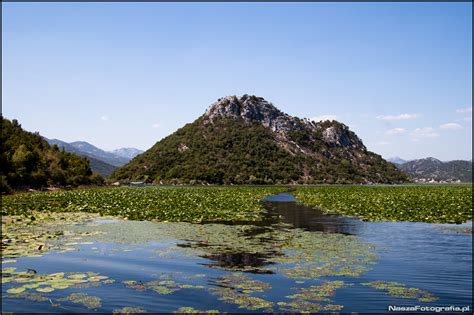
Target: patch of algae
(163, 287)
(89, 301)
(129, 310)
(235, 288)
(397, 289)
(190, 310)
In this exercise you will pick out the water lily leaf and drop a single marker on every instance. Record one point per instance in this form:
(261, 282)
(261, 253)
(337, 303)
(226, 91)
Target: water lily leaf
(60, 286)
(77, 276)
(16, 290)
(96, 278)
(45, 289)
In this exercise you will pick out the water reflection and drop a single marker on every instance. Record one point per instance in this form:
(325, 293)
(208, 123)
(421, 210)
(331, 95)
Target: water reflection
(248, 262)
(288, 211)
(281, 208)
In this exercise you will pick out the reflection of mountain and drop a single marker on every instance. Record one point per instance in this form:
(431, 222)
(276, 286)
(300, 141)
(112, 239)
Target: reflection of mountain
(271, 246)
(311, 219)
(249, 262)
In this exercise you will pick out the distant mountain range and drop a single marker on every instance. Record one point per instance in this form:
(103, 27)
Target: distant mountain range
(247, 140)
(397, 160)
(28, 161)
(102, 162)
(433, 170)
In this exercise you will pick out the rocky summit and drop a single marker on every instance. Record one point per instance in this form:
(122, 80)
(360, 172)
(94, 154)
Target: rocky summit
(252, 109)
(247, 140)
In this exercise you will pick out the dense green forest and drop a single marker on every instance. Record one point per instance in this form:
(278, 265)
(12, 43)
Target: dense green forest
(231, 151)
(28, 161)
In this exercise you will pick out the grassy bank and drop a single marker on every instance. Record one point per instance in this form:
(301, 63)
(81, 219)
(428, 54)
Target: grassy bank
(189, 204)
(440, 204)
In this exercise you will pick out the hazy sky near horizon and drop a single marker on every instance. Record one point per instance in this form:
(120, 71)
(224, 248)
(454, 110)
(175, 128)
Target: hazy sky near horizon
(128, 74)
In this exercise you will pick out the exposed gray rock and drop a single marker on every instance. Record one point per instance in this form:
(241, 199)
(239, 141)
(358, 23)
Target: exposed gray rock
(257, 109)
(252, 109)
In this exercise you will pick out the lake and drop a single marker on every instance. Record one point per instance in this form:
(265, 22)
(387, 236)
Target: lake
(296, 259)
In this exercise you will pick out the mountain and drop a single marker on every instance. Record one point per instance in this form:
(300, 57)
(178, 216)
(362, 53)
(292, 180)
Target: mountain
(102, 162)
(29, 161)
(431, 169)
(247, 140)
(93, 151)
(397, 160)
(96, 164)
(128, 153)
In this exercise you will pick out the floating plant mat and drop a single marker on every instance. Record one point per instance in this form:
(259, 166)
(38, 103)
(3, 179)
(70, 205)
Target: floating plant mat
(312, 265)
(296, 253)
(25, 281)
(38, 233)
(399, 290)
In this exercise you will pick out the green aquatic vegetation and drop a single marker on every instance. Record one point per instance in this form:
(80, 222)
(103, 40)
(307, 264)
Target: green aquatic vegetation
(235, 288)
(311, 255)
(190, 204)
(319, 293)
(191, 310)
(294, 252)
(34, 297)
(8, 261)
(436, 204)
(45, 289)
(89, 301)
(198, 275)
(129, 310)
(45, 283)
(25, 237)
(400, 290)
(16, 290)
(243, 300)
(307, 307)
(163, 287)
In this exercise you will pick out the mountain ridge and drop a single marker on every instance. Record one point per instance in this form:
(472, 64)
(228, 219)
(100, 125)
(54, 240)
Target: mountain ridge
(247, 140)
(101, 161)
(433, 170)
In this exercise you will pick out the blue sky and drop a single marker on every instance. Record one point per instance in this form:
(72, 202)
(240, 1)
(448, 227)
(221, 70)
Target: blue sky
(128, 74)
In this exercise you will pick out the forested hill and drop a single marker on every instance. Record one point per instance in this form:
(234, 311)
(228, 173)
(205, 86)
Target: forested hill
(247, 140)
(28, 161)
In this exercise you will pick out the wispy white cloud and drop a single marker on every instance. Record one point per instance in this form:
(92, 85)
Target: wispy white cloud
(104, 118)
(325, 117)
(398, 117)
(464, 110)
(156, 125)
(450, 126)
(395, 131)
(426, 132)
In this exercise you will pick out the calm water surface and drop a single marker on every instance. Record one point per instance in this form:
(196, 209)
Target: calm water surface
(433, 257)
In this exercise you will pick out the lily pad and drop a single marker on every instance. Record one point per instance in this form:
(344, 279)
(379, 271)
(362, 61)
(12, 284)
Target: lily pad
(45, 289)
(16, 290)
